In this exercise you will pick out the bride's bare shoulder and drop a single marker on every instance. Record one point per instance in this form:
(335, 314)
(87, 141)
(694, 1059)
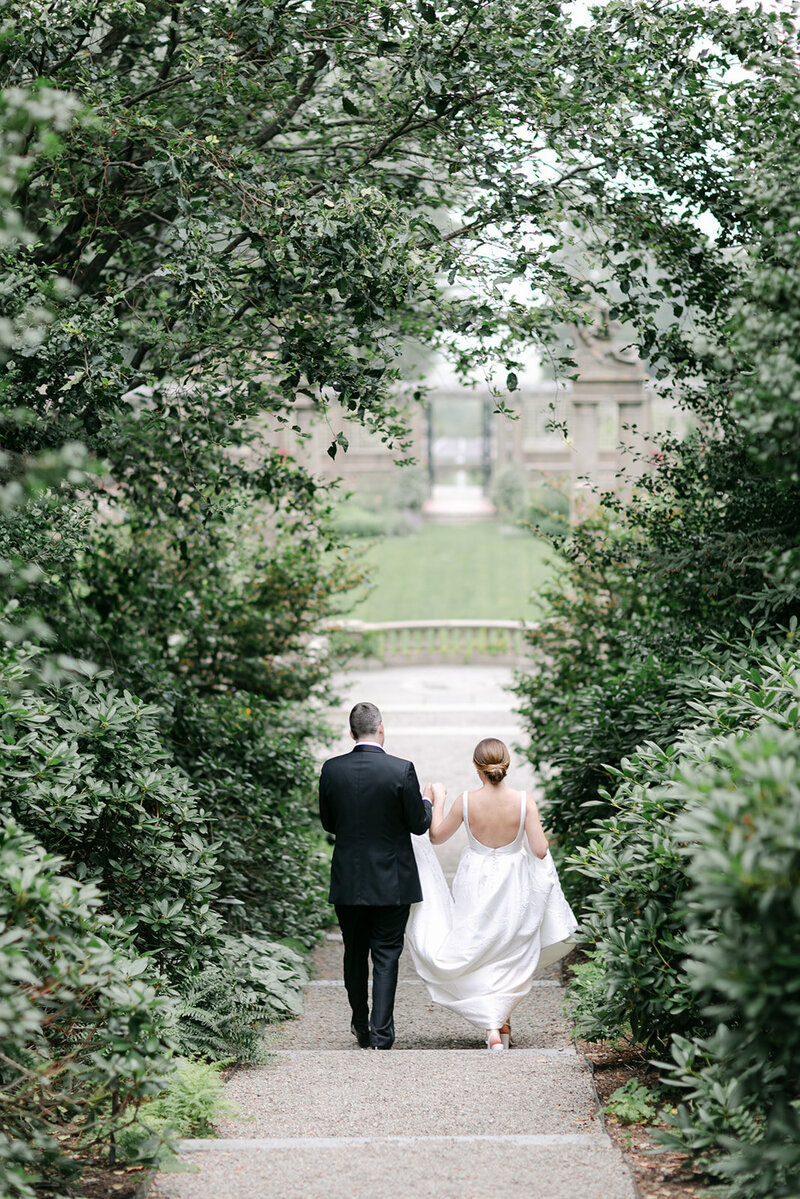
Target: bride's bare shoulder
(479, 794)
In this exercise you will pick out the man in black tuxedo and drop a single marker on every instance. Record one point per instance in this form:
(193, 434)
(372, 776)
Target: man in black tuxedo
(372, 803)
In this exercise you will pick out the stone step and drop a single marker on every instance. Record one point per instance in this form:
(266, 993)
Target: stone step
(417, 705)
(538, 1022)
(326, 1120)
(428, 1168)
(359, 1092)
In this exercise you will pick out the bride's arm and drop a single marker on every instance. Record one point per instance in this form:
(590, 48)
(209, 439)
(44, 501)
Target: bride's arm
(533, 827)
(442, 827)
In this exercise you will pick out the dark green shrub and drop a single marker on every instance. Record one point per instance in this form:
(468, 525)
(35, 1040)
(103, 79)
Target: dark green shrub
(635, 919)
(691, 925)
(705, 545)
(741, 826)
(717, 1116)
(87, 774)
(252, 765)
(633, 922)
(224, 639)
(587, 1004)
(208, 610)
(597, 688)
(83, 1030)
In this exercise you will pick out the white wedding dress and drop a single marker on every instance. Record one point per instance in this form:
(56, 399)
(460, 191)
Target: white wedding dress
(477, 949)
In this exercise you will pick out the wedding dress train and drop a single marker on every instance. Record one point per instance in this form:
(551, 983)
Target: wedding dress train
(477, 949)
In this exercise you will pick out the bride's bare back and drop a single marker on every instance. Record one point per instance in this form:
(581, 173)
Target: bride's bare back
(494, 812)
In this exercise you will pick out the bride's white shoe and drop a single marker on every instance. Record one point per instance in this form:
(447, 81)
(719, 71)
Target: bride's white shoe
(505, 1035)
(493, 1039)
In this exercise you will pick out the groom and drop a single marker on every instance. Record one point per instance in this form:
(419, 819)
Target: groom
(372, 802)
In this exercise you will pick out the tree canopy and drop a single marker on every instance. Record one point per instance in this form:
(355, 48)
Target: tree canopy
(257, 202)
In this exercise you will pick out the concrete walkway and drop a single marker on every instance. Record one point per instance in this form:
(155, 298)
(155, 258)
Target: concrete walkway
(439, 1117)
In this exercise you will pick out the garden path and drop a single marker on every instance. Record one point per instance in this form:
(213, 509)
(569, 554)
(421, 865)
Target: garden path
(439, 1117)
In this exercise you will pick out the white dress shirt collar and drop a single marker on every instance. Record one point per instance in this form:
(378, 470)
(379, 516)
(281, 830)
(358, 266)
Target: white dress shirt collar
(376, 744)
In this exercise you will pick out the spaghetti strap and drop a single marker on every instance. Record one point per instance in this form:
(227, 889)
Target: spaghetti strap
(464, 801)
(523, 811)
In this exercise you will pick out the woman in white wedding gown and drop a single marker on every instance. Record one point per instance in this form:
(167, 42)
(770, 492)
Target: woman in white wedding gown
(477, 949)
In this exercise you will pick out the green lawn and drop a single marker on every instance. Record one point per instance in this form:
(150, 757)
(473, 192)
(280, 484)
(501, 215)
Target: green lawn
(450, 571)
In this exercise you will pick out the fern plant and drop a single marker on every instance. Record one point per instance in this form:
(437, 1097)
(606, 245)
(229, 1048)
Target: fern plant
(223, 1009)
(189, 1106)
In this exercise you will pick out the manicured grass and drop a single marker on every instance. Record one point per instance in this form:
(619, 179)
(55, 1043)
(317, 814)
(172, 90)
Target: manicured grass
(457, 571)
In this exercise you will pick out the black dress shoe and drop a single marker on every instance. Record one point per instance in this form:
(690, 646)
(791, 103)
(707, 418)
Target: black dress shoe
(361, 1035)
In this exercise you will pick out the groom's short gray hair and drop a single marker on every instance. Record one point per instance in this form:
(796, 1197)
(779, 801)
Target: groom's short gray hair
(365, 720)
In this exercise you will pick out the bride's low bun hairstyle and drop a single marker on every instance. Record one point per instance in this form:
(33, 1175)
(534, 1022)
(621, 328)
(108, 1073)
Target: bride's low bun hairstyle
(491, 756)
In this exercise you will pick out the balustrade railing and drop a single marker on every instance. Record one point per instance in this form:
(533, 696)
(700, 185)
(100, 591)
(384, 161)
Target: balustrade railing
(412, 642)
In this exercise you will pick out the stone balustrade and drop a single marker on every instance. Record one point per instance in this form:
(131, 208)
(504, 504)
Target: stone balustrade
(415, 642)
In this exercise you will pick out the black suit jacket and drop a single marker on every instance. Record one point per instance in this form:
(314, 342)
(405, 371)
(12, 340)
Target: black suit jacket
(371, 801)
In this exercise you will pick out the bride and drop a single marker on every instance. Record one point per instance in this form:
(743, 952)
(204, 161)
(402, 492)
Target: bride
(477, 949)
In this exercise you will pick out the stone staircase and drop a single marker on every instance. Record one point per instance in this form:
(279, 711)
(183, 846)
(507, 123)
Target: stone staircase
(438, 1117)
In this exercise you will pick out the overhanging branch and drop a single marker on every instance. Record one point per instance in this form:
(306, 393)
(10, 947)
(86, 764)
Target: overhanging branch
(318, 64)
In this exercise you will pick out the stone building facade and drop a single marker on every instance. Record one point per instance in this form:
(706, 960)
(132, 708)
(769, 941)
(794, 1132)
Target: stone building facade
(458, 440)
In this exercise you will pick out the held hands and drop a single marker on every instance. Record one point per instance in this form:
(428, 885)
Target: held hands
(435, 791)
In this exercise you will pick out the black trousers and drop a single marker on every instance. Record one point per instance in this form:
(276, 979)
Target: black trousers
(378, 931)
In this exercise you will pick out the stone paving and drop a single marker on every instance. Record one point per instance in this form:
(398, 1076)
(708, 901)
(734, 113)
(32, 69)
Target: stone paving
(438, 1117)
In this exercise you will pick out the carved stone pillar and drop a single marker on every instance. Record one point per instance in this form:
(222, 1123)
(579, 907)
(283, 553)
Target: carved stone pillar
(585, 448)
(608, 374)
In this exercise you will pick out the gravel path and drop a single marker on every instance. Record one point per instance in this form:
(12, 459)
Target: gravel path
(439, 1117)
